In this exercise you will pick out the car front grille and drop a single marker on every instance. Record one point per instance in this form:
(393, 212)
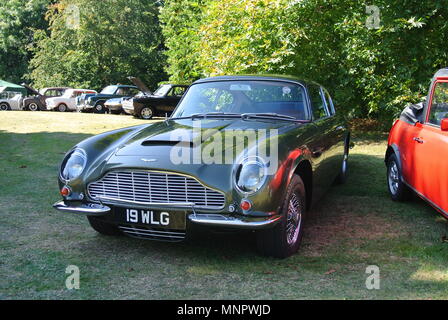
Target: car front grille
(152, 234)
(153, 187)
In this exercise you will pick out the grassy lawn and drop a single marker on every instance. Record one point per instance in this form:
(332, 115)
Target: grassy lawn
(355, 225)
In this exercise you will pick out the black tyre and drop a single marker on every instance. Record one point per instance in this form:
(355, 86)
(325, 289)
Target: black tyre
(62, 107)
(33, 106)
(397, 189)
(146, 113)
(99, 108)
(4, 106)
(284, 239)
(103, 227)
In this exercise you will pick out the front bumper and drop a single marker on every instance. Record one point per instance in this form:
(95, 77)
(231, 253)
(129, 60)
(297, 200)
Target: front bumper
(205, 219)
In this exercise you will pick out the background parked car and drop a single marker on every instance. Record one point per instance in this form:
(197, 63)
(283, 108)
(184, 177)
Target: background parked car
(11, 101)
(67, 102)
(95, 102)
(115, 105)
(163, 101)
(37, 102)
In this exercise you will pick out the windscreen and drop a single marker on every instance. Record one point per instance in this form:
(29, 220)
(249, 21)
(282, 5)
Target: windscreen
(279, 97)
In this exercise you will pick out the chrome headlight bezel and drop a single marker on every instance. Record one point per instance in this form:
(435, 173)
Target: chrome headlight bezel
(244, 165)
(81, 156)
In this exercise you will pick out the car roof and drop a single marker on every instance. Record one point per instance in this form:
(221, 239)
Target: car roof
(265, 77)
(441, 73)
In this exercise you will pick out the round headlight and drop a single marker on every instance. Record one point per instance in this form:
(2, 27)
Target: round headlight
(251, 175)
(74, 165)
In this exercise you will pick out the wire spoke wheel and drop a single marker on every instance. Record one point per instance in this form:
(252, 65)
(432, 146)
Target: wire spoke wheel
(294, 219)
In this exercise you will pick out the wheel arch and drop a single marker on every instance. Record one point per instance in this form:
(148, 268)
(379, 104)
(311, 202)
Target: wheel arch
(393, 149)
(305, 171)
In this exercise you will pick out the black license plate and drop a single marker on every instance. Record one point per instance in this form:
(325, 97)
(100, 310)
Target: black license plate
(152, 218)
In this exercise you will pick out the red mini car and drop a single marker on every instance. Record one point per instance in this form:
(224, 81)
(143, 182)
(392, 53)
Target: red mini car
(417, 152)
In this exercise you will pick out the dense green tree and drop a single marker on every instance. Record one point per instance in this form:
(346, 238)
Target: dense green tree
(95, 43)
(373, 67)
(18, 21)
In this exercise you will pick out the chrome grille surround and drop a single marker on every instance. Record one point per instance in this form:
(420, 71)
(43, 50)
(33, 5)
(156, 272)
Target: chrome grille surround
(146, 187)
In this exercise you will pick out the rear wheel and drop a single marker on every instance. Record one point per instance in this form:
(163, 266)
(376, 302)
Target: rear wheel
(103, 227)
(62, 107)
(33, 106)
(398, 190)
(4, 106)
(284, 239)
(146, 113)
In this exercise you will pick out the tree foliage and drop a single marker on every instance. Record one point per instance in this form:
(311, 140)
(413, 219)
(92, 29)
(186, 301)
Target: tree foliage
(19, 19)
(110, 41)
(370, 71)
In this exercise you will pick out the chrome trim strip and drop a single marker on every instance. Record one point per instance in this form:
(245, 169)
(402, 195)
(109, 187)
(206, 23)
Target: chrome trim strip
(242, 223)
(440, 210)
(83, 208)
(152, 231)
(159, 204)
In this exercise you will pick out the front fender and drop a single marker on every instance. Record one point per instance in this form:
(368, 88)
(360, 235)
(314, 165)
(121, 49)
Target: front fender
(98, 149)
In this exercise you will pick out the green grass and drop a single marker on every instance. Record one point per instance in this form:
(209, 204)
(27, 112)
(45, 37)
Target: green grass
(354, 226)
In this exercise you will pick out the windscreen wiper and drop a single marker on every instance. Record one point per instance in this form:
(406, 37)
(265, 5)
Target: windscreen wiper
(268, 115)
(210, 115)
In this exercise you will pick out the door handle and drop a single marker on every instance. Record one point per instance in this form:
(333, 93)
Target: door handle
(418, 140)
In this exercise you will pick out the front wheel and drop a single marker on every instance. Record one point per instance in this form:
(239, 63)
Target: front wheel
(103, 227)
(99, 108)
(398, 190)
(284, 239)
(4, 106)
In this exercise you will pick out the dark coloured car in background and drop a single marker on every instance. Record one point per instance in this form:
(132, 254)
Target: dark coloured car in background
(95, 102)
(146, 181)
(37, 101)
(160, 103)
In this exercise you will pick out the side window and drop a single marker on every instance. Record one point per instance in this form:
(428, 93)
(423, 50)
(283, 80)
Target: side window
(178, 91)
(329, 101)
(133, 91)
(317, 102)
(439, 106)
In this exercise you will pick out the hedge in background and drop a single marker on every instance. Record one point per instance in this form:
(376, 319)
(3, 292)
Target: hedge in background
(371, 70)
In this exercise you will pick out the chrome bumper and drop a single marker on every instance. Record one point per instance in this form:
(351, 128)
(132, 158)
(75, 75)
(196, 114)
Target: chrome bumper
(92, 209)
(218, 220)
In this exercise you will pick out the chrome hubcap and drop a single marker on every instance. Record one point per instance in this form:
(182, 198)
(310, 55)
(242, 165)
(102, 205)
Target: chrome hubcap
(146, 113)
(394, 178)
(294, 219)
(99, 107)
(33, 107)
(3, 107)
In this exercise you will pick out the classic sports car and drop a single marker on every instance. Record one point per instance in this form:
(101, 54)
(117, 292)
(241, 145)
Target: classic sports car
(95, 102)
(37, 102)
(418, 148)
(10, 101)
(163, 101)
(67, 102)
(239, 152)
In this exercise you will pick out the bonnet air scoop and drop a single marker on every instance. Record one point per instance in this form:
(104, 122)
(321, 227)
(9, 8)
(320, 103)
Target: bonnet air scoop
(171, 143)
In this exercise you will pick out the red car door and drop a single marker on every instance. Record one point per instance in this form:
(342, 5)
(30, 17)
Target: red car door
(430, 171)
